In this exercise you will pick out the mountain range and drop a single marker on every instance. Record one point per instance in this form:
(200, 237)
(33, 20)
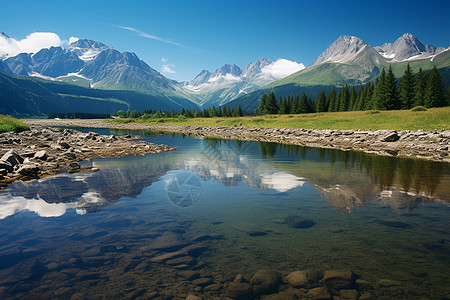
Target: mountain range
(349, 60)
(95, 66)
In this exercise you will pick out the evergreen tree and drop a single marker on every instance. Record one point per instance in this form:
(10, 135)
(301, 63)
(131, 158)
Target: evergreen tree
(419, 89)
(303, 104)
(262, 109)
(353, 98)
(390, 91)
(272, 106)
(378, 92)
(284, 108)
(331, 99)
(435, 91)
(321, 102)
(359, 104)
(344, 97)
(239, 112)
(406, 88)
(367, 97)
(295, 108)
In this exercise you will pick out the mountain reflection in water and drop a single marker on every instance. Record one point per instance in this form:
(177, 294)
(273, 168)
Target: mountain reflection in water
(345, 180)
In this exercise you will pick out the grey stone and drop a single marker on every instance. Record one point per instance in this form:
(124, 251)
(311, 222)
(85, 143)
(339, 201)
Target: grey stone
(391, 137)
(239, 290)
(12, 157)
(28, 170)
(169, 241)
(42, 155)
(265, 281)
(6, 166)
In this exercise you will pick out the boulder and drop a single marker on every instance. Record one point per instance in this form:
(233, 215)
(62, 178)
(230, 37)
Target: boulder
(12, 157)
(169, 241)
(319, 293)
(391, 137)
(285, 295)
(193, 297)
(42, 155)
(349, 294)
(29, 170)
(239, 290)
(6, 166)
(303, 278)
(298, 222)
(338, 280)
(265, 281)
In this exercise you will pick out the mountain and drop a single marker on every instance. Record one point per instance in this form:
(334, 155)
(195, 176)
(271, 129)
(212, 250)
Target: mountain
(24, 96)
(408, 47)
(93, 64)
(349, 60)
(230, 81)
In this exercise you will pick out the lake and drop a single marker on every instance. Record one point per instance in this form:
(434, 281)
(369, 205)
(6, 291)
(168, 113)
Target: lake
(217, 208)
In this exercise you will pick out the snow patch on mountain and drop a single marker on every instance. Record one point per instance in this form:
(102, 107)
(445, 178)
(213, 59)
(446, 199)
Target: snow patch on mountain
(407, 48)
(344, 49)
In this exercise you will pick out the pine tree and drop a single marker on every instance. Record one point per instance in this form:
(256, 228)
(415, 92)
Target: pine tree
(367, 97)
(262, 109)
(419, 89)
(353, 98)
(321, 102)
(390, 90)
(378, 92)
(272, 106)
(284, 108)
(303, 104)
(435, 91)
(295, 108)
(239, 112)
(331, 99)
(344, 97)
(406, 88)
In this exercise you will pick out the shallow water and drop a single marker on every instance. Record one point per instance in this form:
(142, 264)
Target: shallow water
(92, 235)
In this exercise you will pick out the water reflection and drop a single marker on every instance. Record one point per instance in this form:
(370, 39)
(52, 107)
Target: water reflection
(346, 180)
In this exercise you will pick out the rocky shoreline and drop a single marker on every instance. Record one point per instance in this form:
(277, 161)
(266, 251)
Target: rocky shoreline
(430, 145)
(44, 151)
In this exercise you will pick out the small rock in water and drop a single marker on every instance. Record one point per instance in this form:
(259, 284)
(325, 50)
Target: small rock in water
(285, 295)
(239, 290)
(298, 222)
(394, 223)
(265, 281)
(319, 293)
(337, 279)
(193, 297)
(303, 278)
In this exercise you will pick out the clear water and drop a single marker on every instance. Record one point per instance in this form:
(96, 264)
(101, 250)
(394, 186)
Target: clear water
(90, 235)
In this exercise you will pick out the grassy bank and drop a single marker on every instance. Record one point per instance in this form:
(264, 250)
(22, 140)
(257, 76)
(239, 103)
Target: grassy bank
(8, 123)
(434, 118)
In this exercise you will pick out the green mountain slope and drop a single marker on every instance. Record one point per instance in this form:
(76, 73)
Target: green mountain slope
(24, 96)
(363, 69)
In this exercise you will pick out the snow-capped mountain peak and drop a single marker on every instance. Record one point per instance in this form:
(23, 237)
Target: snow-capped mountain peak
(345, 48)
(408, 47)
(87, 50)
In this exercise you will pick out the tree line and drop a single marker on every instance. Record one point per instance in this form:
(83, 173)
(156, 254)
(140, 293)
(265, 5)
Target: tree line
(187, 113)
(386, 93)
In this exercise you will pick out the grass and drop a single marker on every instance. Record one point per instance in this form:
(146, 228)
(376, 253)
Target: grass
(433, 118)
(8, 123)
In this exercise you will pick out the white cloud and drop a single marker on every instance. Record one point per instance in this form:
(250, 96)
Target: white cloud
(168, 68)
(31, 44)
(164, 60)
(73, 39)
(282, 68)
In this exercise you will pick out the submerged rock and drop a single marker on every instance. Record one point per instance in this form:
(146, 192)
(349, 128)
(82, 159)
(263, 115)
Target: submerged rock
(319, 293)
(394, 223)
(338, 280)
(265, 281)
(298, 222)
(303, 278)
(239, 290)
(169, 241)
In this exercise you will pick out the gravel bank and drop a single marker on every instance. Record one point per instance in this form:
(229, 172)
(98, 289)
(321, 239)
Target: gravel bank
(430, 145)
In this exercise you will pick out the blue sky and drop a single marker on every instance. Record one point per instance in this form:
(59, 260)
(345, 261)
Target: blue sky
(189, 36)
